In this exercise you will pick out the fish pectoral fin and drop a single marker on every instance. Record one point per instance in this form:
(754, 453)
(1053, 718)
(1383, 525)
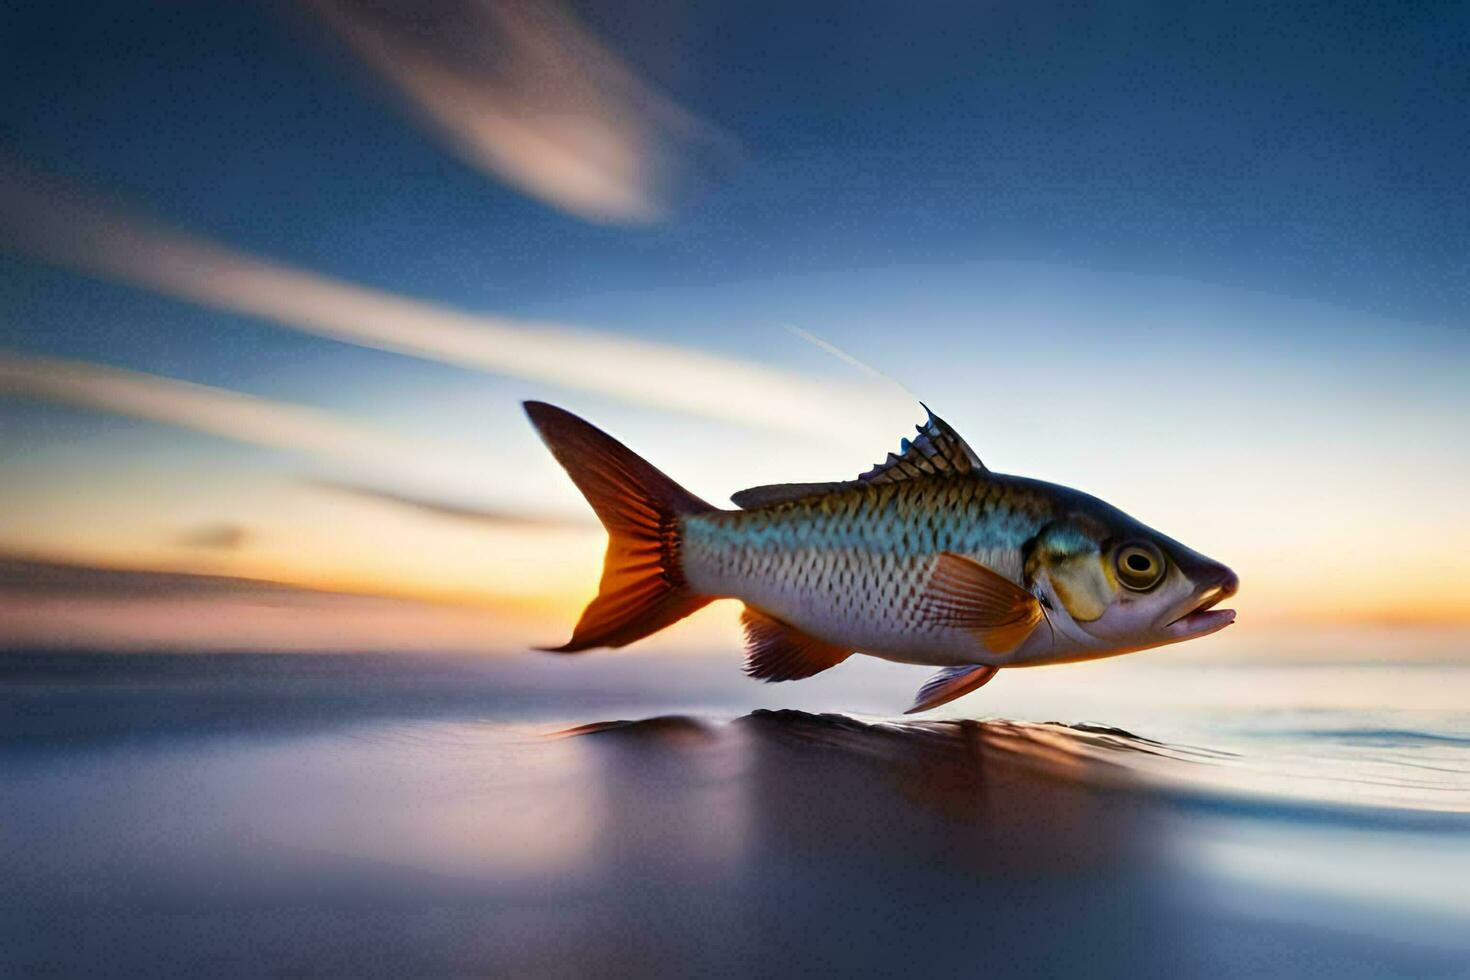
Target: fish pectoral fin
(965, 594)
(951, 683)
(775, 651)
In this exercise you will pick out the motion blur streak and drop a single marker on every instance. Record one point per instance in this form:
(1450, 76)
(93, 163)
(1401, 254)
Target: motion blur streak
(526, 93)
(216, 411)
(48, 220)
(452, 509)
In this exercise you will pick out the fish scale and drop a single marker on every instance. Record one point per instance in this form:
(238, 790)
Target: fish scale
(852, 565)
(927, 557)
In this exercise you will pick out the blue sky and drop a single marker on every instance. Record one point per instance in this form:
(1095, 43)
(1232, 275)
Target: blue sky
(1312, 150)
(1209, 261)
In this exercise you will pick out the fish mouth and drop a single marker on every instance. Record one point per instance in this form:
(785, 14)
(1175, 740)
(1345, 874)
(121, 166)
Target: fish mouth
(1202, 618)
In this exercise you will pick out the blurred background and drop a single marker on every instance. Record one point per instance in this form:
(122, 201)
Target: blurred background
(275, 278)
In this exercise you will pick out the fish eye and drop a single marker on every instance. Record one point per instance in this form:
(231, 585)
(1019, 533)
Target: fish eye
(1140, 566)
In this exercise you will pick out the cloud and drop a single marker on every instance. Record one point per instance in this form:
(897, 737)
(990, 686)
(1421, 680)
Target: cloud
(450, 509)
(28, 575)
(526, 93)
(48, 604)
(220, 412)
(43, 218)
(215, 537)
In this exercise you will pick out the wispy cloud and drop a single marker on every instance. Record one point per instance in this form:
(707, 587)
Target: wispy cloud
(48, 604)
(32, 575)
(221, 536)
(43, 218)
(452, 509)
(219, 412)
(526, 93)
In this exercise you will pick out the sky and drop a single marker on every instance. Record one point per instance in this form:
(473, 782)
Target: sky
(274, 279)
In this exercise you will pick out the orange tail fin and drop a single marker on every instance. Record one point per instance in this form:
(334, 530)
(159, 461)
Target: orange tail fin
(643, 588)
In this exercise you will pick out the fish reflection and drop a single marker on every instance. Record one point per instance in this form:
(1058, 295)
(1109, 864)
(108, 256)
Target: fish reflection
(789, 840)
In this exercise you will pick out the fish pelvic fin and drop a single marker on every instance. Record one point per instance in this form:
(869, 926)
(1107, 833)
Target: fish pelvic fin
(964, 593)
(643, 588)
(775, 651)
(951, 683)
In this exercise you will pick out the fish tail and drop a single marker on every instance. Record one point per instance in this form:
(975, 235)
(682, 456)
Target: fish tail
(643, 587)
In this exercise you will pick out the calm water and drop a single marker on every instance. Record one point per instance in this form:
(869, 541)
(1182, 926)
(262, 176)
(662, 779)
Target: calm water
(399, 815)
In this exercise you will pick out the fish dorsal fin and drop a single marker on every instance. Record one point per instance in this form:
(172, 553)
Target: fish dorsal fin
(775, 651)
(951, 683)
(783, 493)
(936, 451)
(965, 594)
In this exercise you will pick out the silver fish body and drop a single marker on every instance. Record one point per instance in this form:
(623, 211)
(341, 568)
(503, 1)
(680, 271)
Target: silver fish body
(927, 558)
(851, 566)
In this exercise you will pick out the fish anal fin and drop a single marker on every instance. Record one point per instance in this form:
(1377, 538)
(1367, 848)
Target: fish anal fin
(951, 683)
(775, 651)
(963, 593)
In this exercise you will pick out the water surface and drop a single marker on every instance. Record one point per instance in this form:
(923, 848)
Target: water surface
(380, 815)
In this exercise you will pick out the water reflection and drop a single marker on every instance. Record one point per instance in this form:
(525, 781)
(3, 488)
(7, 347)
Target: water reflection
(403, 824)
(791, 841)
(788, 841)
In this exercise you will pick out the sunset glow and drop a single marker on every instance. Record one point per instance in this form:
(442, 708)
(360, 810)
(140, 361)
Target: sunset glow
(233, 373)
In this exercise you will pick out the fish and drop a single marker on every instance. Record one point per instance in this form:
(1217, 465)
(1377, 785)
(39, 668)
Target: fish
(927, 558)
